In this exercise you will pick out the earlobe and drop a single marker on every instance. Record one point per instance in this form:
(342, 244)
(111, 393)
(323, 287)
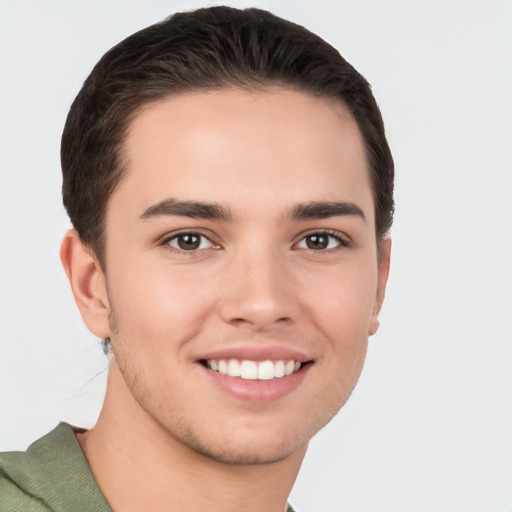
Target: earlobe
(87, 282)
(382, 279)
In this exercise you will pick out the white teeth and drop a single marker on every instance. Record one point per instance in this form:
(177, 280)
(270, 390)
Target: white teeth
(266, 370)
(223, 367)
(252, 370)
(289, 368)
(233, 368)
(249, 370)
(279, 369)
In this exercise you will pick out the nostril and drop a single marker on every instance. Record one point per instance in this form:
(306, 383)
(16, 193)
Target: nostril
(258, 322)
(238, 321)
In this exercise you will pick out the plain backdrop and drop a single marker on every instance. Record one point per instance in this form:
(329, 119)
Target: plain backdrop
(429, 426)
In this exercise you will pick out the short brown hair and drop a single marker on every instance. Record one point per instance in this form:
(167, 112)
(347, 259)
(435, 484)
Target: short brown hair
(211, 48)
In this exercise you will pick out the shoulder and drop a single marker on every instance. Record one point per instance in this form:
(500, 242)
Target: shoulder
(51, 475)
(20, 489)
(15, 496)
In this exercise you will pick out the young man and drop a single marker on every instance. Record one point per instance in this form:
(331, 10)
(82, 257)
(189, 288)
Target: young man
(231, 189)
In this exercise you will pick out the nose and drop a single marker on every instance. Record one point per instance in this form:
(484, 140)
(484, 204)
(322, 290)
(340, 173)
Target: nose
(259, 292)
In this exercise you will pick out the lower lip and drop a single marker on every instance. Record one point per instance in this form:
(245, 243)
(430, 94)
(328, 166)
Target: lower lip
(257, 390)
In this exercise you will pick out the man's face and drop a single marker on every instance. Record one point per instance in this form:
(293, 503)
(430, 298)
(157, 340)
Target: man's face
(243, 233)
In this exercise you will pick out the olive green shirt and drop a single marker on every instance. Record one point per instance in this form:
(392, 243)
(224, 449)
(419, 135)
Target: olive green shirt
(51, 476)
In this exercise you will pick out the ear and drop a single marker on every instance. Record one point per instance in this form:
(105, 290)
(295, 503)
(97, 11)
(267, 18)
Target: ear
(87, 282)
(382, 279)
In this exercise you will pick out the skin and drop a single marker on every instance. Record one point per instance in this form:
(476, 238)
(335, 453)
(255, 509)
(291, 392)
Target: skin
(255, 281)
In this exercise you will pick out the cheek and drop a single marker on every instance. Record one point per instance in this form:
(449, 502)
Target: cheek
(157, 306)
(342, 301)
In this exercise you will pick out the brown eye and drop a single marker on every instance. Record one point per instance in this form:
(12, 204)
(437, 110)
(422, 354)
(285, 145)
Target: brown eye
(317, 242)
(189, 242)
(320, 242)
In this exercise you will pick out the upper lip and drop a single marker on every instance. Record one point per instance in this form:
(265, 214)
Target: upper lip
(257, 353)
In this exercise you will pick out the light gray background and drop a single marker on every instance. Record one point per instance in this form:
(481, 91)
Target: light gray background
(429, 425)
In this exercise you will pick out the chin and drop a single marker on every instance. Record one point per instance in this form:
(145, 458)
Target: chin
(248, 452)
(257, 443)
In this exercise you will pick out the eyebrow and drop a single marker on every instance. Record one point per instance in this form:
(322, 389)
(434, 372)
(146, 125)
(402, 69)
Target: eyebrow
(213, 211)
(193, 209)
(324, 210)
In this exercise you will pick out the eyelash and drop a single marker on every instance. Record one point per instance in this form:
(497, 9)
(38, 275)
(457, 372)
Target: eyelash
(341, 241)
(167, 242)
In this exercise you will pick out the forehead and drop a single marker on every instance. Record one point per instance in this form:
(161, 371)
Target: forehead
(239, 147)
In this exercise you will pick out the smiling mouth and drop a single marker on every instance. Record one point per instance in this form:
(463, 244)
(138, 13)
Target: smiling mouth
(254, 370)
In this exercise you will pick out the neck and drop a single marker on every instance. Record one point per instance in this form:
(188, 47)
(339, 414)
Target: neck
(140, 466)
